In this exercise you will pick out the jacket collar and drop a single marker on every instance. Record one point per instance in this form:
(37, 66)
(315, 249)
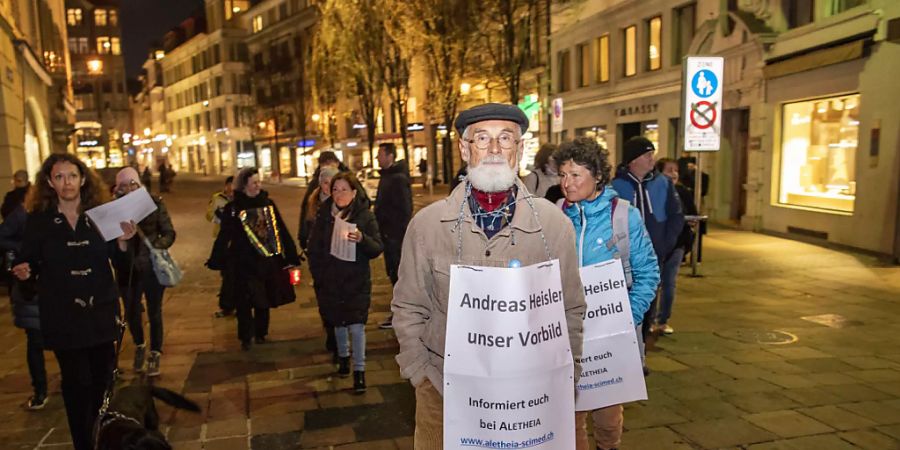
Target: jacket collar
(523, 218)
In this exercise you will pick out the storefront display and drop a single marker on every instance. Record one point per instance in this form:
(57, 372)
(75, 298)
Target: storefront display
(818, 153)
(598, 133)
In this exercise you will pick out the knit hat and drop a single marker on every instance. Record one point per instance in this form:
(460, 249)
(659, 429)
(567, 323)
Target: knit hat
(328, 172)
(491, 111)
(634, 148)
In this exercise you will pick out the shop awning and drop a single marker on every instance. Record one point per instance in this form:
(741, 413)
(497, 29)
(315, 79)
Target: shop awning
(815, 59)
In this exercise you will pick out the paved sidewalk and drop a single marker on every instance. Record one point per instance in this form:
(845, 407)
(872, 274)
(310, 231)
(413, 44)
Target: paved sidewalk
(781, 345)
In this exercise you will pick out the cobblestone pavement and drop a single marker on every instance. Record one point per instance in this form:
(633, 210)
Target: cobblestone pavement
(781, 345)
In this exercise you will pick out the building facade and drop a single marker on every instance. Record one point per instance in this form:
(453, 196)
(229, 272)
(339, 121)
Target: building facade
(36, 111)
(149, 142)
(801, 147)
(279, 39)
(207, 87)
(98, 81)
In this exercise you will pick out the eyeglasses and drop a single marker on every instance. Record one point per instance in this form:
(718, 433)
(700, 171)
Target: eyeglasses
(132, 185)
(483, 141)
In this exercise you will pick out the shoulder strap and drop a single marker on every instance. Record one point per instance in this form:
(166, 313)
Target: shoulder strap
(620, 234)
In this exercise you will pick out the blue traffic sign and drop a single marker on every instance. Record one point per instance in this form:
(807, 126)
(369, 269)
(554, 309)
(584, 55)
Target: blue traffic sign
(704, 83)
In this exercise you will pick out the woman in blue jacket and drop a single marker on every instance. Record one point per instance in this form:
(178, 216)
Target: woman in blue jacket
(584, 172)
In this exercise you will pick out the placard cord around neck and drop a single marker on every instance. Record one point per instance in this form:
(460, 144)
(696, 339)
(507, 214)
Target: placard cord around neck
(528, 197)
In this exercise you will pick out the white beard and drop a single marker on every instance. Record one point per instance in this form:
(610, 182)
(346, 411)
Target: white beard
(492, 177)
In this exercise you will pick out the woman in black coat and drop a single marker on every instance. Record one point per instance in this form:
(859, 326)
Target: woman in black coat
(70, 261)
(254, 245)
(344, 288)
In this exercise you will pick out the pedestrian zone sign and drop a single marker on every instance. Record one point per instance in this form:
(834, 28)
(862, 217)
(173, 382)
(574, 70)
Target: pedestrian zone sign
(702, 116)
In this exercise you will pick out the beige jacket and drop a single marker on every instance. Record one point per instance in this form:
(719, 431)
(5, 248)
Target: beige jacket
(430, 247)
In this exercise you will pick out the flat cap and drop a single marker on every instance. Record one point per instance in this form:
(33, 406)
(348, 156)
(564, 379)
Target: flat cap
(491, 111)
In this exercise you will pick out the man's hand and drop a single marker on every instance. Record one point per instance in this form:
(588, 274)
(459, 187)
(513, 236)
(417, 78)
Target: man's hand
(22, 271)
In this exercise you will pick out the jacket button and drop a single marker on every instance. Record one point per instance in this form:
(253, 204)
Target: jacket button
(487, 253)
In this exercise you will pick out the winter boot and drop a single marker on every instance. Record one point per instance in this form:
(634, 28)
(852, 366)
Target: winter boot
(140, 353)
(344, 366)
(359, 381)
(153, 364)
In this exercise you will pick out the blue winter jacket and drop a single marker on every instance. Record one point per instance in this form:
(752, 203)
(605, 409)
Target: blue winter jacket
(593, 227)
(662, 214)
(26, 313)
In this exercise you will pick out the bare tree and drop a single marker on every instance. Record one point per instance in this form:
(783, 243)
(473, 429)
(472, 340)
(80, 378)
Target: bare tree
(508, 34)
(395, 69)
(443, 33)
(358, 41)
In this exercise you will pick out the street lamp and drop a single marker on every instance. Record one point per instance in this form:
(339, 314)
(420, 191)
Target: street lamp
(95, 69)
(95, 66)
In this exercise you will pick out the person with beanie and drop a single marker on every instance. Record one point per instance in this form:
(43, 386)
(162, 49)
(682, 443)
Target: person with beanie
(655, 197)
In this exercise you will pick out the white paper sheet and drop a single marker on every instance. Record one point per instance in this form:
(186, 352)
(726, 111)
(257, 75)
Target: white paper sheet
(508, 369)
(134, 206)
(611, 370)
(341, 247)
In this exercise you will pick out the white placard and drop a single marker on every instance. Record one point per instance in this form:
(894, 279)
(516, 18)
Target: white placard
(508, 369)
(133, 206)
(611, 369)
(341, 247)
(702, 117)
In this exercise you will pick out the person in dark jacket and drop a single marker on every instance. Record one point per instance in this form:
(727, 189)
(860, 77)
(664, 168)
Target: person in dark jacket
(16, 197)
(393, 209)
(137, 279)
(669, 272)
(77, 295)
(655, 197)
(255, 246)
(326, 159)
(321, 193)
(26, 313)
(147, 179)
(344, 288)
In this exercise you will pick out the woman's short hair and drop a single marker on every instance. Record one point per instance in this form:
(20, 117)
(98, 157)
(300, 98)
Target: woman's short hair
(42, 196)
(586, 152)
(243, 176)
(542, 158)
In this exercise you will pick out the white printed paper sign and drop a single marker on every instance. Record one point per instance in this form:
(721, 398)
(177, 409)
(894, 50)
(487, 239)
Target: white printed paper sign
(611, 369)
(341, 247)
(133, 207)
(508, 369)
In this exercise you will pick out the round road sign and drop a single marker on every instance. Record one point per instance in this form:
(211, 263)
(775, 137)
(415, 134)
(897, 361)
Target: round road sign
(703, 114)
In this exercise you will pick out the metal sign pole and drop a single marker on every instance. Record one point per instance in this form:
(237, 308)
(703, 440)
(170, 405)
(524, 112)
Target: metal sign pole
(698, 198)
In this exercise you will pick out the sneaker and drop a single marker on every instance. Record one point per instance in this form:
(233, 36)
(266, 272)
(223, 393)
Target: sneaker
(388, 323)
(261, 340)
(245, 346)
(153, 364)
(222, 313)
(36, 402)
(665, 329)
(359, 382)
(344, 367)
(140, 353)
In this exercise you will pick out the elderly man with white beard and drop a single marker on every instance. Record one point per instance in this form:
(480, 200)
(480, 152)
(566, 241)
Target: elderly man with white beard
(488, 220)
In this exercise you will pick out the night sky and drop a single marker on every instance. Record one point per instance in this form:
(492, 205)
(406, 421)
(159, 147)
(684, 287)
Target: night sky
(146, 21)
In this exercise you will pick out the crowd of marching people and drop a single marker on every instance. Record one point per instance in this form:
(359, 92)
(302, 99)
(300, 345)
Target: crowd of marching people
(70, 285)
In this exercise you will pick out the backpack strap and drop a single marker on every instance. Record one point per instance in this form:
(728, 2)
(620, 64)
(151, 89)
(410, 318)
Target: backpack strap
(621, 238)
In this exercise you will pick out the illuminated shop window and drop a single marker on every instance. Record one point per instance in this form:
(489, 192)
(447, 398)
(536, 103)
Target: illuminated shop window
(598, 133)
(818, 153)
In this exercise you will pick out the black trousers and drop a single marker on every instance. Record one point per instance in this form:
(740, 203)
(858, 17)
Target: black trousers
(85, 373)
(145, 286)
(392, 249)
(226, 292)
(252, 321)
(35, 358)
